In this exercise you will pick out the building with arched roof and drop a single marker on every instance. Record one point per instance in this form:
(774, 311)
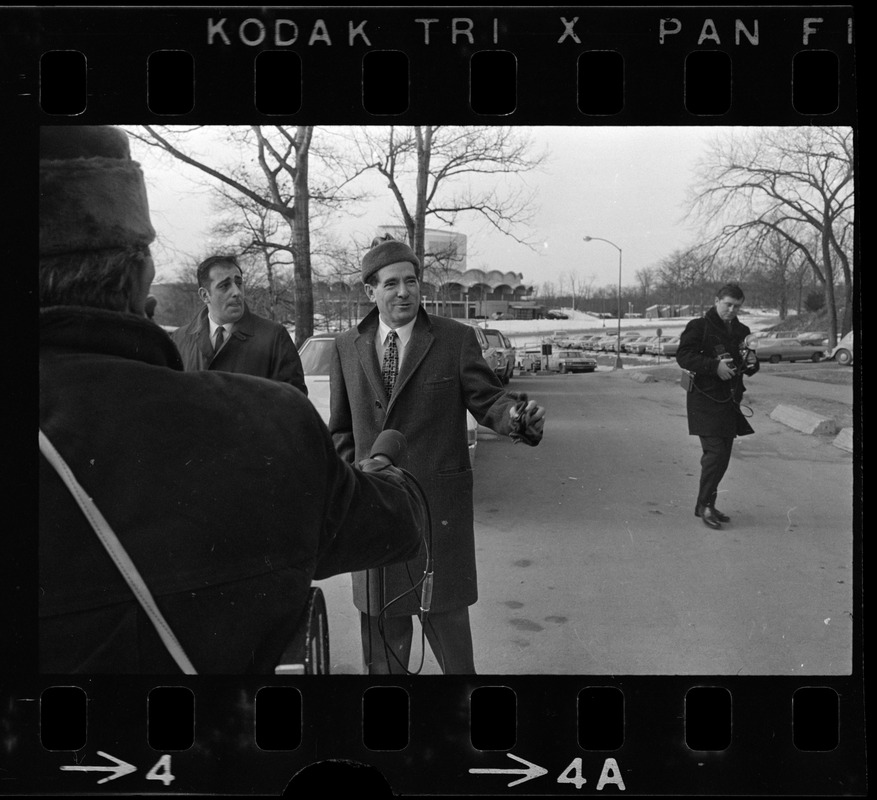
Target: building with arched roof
(451, 289)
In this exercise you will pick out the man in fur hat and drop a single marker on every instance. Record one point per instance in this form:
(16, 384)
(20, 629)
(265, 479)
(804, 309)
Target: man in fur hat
(224, 490)
(401, 368)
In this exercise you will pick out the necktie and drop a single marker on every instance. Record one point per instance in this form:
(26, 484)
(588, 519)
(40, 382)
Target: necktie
(220, 337)
(390, 368)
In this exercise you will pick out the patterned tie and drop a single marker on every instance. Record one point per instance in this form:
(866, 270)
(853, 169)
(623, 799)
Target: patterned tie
(220, 336)
(390, 368)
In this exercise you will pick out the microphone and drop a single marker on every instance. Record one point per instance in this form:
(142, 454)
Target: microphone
(391, 444)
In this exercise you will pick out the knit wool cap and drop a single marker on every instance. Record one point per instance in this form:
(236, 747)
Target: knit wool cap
(92, 195)
(390, 251)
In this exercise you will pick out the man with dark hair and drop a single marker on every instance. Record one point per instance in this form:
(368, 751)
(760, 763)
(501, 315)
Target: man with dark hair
(712, 348)
(403, 369)
(225, 335)
(224, 491)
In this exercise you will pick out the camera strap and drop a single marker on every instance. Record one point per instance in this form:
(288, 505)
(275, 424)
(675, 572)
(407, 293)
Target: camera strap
(118, 554)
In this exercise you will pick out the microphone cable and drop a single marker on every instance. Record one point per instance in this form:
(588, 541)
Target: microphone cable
(425, 581)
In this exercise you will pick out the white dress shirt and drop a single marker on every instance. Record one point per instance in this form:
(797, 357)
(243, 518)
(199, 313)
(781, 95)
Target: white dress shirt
(214, 326)
(403, 334)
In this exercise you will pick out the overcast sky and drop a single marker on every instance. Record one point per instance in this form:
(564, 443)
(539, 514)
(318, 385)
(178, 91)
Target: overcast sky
(624, 184)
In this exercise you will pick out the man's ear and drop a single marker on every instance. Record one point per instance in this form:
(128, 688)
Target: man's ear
(202, 293)
(369, 291)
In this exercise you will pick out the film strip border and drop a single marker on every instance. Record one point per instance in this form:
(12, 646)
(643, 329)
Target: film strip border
(566, 65)
(557, 65)
(709, 736)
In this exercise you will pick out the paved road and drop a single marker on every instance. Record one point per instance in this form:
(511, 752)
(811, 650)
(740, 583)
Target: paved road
(592, 562)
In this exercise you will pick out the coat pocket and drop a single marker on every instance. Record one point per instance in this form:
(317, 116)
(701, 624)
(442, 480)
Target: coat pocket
(438, 385)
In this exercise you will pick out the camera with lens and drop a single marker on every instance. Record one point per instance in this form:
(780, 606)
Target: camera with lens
(724, 355)
(749, 358)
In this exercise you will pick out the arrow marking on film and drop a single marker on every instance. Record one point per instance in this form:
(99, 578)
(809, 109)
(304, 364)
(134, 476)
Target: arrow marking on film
(118, 769)
(532, 771)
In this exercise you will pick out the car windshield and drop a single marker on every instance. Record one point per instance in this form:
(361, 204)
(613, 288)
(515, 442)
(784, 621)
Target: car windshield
(493, 339)
(316, 355)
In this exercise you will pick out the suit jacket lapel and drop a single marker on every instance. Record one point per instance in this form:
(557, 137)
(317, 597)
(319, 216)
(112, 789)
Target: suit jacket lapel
(368, 358)
(418, 346)
(202, 337)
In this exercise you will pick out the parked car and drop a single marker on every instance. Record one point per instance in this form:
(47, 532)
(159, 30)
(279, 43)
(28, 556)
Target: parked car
(667, 348)
(501, 343)
(566, 360)
(587, 340)
(776, 350)
(316, 356)
(637, 346)
(612, 343)
(573, 340)
(493, 355)
(654, 344)
(813, 337)
(606, 342)
(842, 352)
(555, 313)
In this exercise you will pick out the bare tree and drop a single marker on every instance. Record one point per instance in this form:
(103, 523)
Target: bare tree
(436, 172)
(281, 157)
(686, 274)
(797, 182)
(645, 277)
(779, 260)
(257, 234)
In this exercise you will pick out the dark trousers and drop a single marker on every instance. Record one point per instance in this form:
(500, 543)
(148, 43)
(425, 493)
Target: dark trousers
(387, 646)
(713, 465)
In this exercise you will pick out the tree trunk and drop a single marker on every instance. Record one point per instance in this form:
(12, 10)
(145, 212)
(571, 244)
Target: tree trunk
(301, 239)
(424, 152)
(828, 289)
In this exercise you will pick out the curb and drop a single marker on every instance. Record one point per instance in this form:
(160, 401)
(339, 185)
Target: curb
(805, 421)
(844, 440)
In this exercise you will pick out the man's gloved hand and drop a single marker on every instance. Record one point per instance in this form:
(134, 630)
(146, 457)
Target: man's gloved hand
(528, 421)
(376, 464)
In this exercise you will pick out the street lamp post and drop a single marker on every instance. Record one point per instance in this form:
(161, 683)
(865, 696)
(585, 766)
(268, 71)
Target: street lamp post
(618, 364)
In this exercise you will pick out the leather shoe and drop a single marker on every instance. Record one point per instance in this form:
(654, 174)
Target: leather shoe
(708, 516)
(719, 515)
(716, 513)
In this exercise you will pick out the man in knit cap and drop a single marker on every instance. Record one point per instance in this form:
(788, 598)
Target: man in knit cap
(403, 369)
(224, 490)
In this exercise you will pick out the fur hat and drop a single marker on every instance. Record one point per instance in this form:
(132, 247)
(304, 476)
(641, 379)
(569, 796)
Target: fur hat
(387, 251)
(92, 195)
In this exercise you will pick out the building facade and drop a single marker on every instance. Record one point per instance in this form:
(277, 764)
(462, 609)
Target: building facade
(448, 287)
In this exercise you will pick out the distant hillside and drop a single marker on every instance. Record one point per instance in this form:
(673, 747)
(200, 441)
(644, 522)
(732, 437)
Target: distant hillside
(816, 321)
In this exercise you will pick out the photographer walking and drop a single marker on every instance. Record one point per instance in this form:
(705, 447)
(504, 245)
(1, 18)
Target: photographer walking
(712, 349)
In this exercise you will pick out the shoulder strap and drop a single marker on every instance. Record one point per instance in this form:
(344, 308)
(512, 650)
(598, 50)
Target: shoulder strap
(118, 554)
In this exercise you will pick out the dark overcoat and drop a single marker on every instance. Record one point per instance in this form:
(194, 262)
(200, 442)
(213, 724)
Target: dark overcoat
(442, 375)
(257, 346)
(225, 490)
(713, 405)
